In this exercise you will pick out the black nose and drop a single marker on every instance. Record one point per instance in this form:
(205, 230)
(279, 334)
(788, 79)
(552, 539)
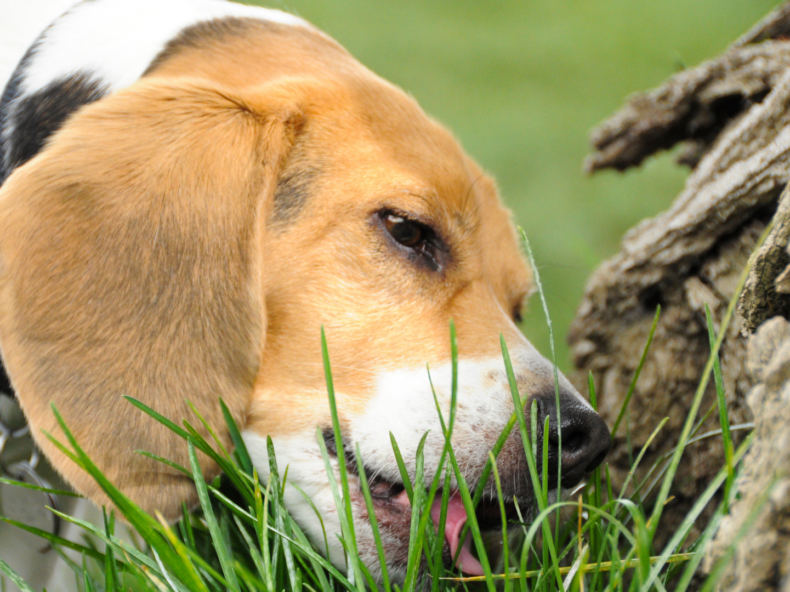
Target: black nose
(585, 437)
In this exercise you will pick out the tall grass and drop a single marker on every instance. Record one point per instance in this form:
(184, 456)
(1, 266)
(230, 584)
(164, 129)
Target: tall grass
(242, 537)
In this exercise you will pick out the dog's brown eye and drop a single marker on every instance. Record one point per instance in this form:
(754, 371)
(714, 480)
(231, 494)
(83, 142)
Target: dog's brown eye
(417, 241)
(406, 232)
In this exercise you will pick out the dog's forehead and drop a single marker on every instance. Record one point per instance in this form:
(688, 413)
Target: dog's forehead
(408, 139)
(384, 151)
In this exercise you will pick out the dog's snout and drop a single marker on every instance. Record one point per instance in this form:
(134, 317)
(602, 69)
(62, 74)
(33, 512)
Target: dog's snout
(583, 436)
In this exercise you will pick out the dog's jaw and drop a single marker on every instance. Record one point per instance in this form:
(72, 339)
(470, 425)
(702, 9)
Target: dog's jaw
(403, 405)
(301, 456)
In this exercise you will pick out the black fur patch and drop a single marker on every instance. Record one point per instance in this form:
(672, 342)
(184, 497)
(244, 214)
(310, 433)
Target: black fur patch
(32, 119)
(5, 382)
(11, 92)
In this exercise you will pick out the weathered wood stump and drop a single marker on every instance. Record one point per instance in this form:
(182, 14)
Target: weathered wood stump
(733, 116)
(760, 557)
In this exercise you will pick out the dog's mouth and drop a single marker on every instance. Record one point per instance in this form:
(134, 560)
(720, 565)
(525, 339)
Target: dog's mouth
(393, 513)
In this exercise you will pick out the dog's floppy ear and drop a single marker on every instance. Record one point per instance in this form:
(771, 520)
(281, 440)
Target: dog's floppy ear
(131, 264)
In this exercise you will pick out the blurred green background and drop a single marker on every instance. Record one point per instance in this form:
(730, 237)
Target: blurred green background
(521, 83)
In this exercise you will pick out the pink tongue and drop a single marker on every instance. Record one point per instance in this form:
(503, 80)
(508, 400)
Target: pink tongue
(454, 524)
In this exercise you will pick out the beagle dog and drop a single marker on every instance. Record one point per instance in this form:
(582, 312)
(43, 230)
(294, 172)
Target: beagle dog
(190, 190)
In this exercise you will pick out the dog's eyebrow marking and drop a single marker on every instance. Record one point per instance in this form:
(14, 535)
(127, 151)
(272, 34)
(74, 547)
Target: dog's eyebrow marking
(294, 188)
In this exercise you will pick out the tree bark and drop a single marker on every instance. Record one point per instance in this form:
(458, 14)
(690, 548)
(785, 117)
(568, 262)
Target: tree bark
(757, 557)
(733, 115)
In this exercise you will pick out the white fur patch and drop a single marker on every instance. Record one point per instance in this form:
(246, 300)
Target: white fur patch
(404, 405)
(302, 457)
(20, 25)
(116, 40)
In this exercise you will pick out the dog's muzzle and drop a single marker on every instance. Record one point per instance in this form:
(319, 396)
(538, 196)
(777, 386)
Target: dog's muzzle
(582, 437)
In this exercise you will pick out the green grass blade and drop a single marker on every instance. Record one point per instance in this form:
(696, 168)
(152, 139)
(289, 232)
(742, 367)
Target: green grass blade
(351, 562)
(663, 493)
(87, 581)
(279, 511)
(696, 510)
(746, 525)
(500, 443)
(76, 569)
(317, 515)
(235, 509)
(111, 579)
(304, 547)
(595, 541)
(185, 524)
(538, 523)
(545, 451)
(14, 577)
(373, 520)
(454, 381)
(630, 475)
(223, 553)
(632, 386)
(165, 573)
(404, 473)
(55, 539)
(158, 417)
(463, 488)
(447, 434)
(544, 304)
(544, 473)
(503, 514)
(466, 498)
(416, 537)
(316, 569)
(210, 430)
(437, 558)
(345, 501)
(120, 546)
(525, 439)
(200, 443)
(262, 528)
(723, 416)
(240, 447)
(642, 452)
(37, 488)
(186, 554)
(62, 448)
(164, 461)
(699, 555)
(255, 555)
(643, 545)
(145, 524)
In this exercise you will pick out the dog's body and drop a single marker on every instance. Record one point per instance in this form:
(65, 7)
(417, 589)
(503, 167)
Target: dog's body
(191, 193)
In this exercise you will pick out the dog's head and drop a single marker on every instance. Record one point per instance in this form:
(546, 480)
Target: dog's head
(187, 237)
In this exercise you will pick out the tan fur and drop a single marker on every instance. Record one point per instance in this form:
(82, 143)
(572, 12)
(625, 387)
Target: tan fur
(140, 253)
